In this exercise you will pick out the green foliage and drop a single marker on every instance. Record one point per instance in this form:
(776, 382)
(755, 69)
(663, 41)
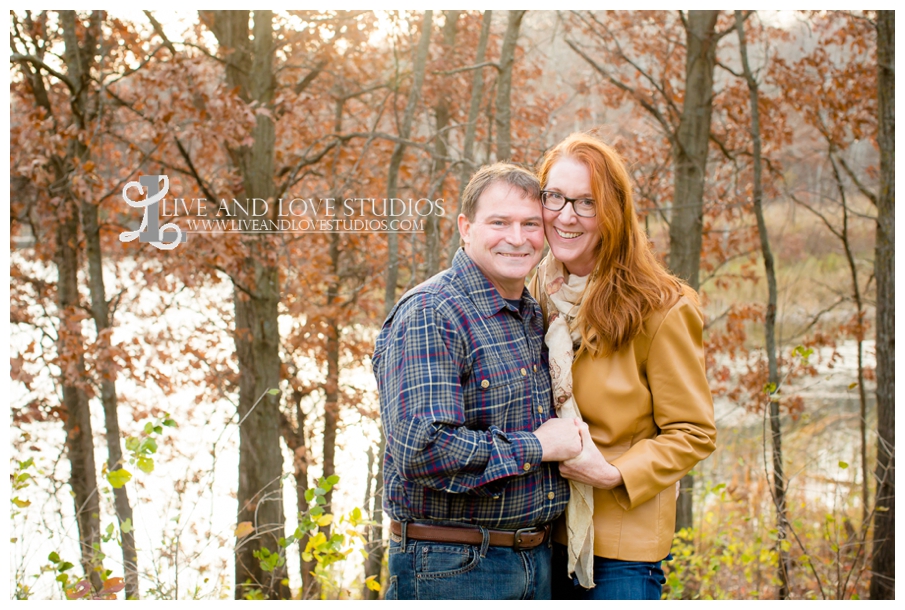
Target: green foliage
(803, 352)
(729, 563)
(732, 552)
(141, 448)
(323, 550)
(19, 479)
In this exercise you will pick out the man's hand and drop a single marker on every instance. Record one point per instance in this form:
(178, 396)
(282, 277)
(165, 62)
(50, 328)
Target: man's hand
(590, 466)
(560, 439)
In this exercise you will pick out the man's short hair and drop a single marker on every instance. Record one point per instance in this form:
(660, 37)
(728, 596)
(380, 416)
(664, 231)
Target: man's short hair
(512, 175)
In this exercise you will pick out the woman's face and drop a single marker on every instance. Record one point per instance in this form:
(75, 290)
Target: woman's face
(573, 239)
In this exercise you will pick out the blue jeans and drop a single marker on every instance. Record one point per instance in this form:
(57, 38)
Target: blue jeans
(613, 579)
(440, 570)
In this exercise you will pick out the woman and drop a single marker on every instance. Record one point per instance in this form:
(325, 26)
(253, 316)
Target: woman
(633, 336)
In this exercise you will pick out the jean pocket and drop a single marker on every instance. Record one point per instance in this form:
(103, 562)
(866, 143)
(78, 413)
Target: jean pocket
(445, 561)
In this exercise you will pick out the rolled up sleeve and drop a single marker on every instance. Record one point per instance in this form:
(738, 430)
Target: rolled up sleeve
(420, 369)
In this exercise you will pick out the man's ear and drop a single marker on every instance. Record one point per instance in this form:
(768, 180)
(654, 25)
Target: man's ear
(464, 229)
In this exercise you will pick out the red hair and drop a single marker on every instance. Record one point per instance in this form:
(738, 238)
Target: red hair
(628, 283)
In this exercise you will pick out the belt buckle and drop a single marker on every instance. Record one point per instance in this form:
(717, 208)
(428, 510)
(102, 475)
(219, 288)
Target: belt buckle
(517, 537)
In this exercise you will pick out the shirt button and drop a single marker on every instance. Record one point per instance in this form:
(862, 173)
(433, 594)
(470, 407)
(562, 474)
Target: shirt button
(527, 466)
(485, 384)
(535, 368)
(524, 372)
(551, 495)
(540, 410)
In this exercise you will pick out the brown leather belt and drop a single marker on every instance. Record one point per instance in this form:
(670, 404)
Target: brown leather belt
(525, 538)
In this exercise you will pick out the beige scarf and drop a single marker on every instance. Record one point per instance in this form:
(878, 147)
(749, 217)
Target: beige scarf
(561, 300)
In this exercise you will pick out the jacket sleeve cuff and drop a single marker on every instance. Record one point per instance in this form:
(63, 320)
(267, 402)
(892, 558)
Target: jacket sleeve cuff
(635, 487)
(527, 452)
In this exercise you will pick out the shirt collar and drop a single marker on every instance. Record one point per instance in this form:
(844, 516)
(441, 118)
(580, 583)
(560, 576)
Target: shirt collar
(486, 298)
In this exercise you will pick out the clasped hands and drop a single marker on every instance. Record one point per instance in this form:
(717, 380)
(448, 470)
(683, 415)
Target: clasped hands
(569, 442)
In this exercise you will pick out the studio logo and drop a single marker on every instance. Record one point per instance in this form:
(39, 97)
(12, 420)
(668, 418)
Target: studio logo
(165, 237)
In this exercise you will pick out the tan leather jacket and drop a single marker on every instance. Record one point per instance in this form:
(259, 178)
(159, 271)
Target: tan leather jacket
(650, 413)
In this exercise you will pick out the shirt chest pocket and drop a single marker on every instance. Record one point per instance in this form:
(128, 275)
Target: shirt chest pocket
(498, 394)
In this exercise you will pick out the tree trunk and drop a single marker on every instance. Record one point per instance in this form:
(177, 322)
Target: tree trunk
(433, 254)
(779, 484)
(100, 311)
(843, 235)
(374, 562)
(405, 128)
(474, 108)
(331, 384)
(80, 59)
(690, 160)
(882, 581)
(79, 56)
(76, 412)
(504, 87)
(256, 297)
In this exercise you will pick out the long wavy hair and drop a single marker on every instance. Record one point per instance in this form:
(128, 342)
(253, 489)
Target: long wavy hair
(628, 283)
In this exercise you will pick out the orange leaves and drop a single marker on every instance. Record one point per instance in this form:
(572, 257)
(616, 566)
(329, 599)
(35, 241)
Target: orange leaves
(244, 529)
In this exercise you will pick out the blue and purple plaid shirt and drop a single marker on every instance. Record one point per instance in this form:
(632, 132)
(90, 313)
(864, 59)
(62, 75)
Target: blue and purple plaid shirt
(464, 382)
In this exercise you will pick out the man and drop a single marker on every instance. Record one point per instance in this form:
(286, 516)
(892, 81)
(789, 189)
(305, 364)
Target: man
(470, 480)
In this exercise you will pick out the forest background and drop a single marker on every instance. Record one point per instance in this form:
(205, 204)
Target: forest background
(202, 422)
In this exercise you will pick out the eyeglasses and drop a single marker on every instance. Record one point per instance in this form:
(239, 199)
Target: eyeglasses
(554, 202)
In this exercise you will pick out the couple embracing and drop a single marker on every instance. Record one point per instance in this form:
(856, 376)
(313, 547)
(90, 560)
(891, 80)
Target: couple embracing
(536, 437)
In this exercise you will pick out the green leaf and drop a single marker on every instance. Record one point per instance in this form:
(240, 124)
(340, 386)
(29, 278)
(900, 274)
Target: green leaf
(132, 443)
(320, 491)
(333, 479)
(843, 465)
(149, 445)
(273, 391)
(126, 527)
(21, 503)
(169, 423)
(64, 566)
(118, 478)
(54, 557)
(149, 428)
(145, 464)
(24, 476)
(309, 495)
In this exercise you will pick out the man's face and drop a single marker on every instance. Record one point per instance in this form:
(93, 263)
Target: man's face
(506, 238)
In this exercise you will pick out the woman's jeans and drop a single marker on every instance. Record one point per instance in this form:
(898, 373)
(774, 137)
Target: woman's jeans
(614, 579)
(440, 570)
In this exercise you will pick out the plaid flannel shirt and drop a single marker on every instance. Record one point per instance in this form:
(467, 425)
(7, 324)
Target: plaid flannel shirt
(463, 380)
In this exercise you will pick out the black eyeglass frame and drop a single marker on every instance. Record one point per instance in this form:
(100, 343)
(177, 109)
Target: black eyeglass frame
(543, 200)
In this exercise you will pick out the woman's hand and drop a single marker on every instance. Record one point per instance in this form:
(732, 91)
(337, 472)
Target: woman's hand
(590, 466)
